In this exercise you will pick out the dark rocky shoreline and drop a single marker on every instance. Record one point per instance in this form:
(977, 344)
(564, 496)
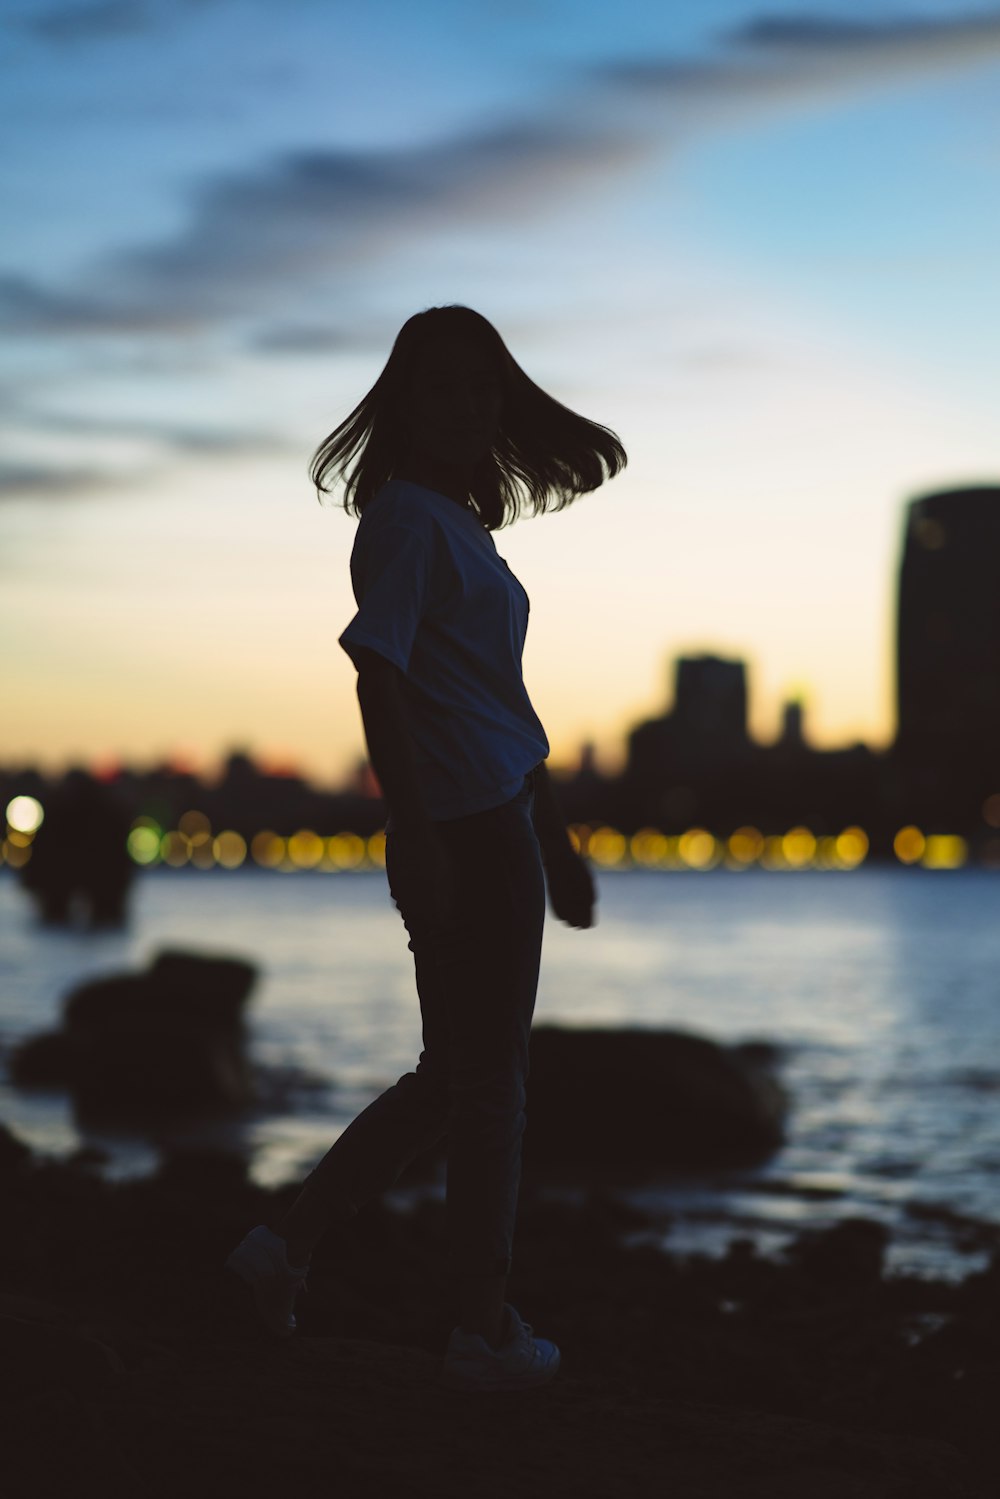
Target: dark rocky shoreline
(130, 1368)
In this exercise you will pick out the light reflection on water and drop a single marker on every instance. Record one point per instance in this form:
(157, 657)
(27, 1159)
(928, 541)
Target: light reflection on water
(880, 986)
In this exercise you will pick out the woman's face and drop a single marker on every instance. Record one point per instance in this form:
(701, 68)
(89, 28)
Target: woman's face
(453, 406)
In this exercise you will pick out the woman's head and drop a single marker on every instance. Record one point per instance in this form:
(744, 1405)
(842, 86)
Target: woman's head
(451, 387)
(451, 394)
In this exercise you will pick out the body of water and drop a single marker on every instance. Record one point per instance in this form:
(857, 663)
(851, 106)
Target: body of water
(881, 987)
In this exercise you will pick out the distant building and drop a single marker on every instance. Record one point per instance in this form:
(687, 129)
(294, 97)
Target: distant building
(684, 763)
(710, 704)
(947, 750)
(792, 740)
(698, 764)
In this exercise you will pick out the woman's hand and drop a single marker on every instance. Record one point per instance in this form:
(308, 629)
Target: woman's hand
(571, 888)
(572, 893)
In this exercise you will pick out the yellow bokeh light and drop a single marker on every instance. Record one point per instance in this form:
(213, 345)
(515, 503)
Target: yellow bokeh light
(147, 822)
(798, 847)
(376, 850)
(143, 845)
(175, 849)
(345, 850)
(852, 847)
(579, 836)
(698, 849)
(607, 847)
(230, 849)
(16, 854)
(909, 844)
(649, 847)
(305, 848)
(945, 851)
(202, 852)
(267, 849)
(772, 855)
(745, 845)
(195, 825)
(826, 856)
(25, 814)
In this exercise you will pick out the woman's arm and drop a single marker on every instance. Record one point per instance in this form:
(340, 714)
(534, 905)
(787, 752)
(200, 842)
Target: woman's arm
(390, 750)
(571, 886)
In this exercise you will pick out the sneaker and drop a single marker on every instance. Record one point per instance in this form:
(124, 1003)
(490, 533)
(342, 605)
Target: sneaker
(520, 1362)
(262, 1262)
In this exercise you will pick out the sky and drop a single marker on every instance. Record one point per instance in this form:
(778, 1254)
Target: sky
(756, 240)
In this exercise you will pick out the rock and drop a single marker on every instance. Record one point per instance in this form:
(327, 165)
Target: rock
(14, 1154)
(59, 1445)
(80, 862)
(648, 1097)
(44, 1061)
(36, 1355)
(87, 1158)
(851, 1253)
(742, 1377)
(28, 1309)
(205, 992)
(163, 1042)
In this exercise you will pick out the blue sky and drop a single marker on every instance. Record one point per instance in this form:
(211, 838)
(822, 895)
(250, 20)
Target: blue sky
(755, 241)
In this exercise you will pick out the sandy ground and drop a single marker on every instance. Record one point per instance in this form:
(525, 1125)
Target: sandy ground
(129, 1365)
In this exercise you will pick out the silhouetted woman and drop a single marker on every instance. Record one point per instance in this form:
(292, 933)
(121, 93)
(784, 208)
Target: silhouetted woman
(452, 442)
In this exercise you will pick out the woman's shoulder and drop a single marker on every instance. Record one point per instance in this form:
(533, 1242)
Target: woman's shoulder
(399, 502)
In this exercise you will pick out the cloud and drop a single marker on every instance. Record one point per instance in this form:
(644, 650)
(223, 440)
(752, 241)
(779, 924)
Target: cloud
(312, 211)
(98, 20)
(775, 60)
(891, 35)
(298, 339)
(70, 24)
(299, 219)
(204, 442)
(27, 307)
(183, 439)
(39, 480)
(259, 231)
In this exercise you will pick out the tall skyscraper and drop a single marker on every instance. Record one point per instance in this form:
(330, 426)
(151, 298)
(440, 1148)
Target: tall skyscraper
(691, 757)
(948, 653)
(710, 703)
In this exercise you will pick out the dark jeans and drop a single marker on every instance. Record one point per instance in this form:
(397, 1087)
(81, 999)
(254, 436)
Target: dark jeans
(476, 979)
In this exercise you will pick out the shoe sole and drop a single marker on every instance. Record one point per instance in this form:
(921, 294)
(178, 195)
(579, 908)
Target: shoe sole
(244, 1287)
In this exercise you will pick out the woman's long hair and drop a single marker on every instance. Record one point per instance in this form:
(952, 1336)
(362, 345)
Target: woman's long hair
(544, 455)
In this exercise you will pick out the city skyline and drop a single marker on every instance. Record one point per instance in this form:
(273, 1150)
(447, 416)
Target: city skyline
(754, 244)
(105, 765)
(696, 788)
(211, 765)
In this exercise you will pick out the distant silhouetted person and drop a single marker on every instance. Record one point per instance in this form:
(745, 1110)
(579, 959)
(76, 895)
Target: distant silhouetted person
(79, 856)
(452, 442)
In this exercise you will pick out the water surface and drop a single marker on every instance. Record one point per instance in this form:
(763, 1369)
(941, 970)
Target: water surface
(881, 987)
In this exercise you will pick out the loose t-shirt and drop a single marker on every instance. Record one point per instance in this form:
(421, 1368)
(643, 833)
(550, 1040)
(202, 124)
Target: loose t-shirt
(436, 600)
